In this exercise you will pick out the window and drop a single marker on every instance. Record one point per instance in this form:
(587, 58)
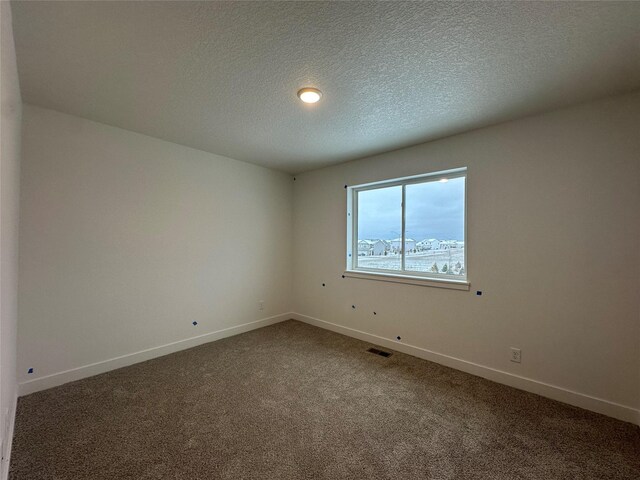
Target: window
(409, 227)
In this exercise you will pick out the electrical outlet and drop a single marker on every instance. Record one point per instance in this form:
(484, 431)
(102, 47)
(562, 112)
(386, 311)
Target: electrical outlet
(261, 305)
(516, 355)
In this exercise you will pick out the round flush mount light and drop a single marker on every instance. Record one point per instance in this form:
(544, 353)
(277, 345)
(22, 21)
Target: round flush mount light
(309, 95)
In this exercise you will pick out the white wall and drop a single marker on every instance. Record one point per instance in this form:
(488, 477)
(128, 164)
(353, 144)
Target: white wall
(126, 240)
(553, 229)
(11, 111)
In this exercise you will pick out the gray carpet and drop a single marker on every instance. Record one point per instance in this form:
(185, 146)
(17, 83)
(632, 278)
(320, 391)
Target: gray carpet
(292, 401)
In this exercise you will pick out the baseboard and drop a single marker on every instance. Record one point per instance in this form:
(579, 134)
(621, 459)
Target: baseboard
(6, 455)
(60, 378)
(605, 407)
(598, 405)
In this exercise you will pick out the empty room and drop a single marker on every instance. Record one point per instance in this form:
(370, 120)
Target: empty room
(319, 240)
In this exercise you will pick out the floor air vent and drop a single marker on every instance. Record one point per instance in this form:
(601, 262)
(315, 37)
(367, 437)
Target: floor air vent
(382, 353)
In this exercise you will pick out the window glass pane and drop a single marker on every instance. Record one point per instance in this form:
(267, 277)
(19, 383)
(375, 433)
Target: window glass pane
(434, 228)
(379, 229)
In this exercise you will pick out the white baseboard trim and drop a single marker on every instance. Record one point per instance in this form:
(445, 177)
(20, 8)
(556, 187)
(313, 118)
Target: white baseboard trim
(8, 442)
(599, 405)
(60, 378)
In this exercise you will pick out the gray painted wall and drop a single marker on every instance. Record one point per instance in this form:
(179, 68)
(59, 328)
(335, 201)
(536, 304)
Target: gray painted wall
(11, 111)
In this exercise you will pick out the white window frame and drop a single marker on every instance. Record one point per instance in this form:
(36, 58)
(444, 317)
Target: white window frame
(402, 276)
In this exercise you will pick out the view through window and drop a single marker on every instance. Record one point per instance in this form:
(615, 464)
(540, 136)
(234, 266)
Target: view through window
(414, 226)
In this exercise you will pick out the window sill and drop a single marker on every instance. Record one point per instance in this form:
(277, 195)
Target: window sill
(409, 280)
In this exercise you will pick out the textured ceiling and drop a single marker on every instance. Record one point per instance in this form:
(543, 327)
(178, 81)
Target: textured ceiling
(222, 77)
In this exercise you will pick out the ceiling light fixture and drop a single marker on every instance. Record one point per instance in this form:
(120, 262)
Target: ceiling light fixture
(309, 95)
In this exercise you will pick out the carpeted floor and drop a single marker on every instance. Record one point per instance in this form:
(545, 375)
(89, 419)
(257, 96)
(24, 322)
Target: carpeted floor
(293, 401)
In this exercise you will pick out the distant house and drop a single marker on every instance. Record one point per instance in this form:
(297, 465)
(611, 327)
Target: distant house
(422, 245)
(434, 244)
(409, 244)
(428, 244)
(363, 247)
(378, 247)
(371, 247)
(448, 244)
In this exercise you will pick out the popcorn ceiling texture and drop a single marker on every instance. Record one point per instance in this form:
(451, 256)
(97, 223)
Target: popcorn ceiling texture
(223, 76)
(292, 401)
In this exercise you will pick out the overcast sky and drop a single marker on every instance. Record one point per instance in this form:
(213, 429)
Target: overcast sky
(434, 210)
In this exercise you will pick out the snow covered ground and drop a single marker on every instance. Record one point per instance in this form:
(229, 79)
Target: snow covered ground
(417, 262)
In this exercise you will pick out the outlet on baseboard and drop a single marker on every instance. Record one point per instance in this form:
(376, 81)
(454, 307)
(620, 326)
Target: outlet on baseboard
(261, 305)
(516, 355)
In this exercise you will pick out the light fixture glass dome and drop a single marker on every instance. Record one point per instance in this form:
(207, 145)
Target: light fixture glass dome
(309, 95)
